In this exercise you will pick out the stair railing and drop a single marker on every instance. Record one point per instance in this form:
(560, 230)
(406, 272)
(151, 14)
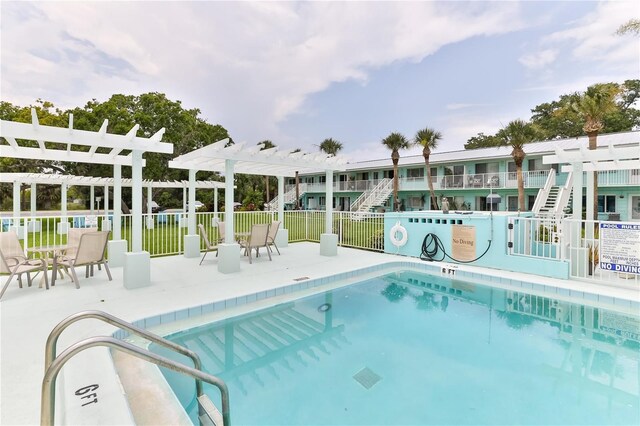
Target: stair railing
(543, 193)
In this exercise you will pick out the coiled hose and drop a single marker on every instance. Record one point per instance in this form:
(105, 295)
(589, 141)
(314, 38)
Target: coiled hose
(432, 244)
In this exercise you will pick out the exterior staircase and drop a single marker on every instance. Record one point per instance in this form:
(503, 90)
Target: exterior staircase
(553, 200)
(371, 198)
(289, 197)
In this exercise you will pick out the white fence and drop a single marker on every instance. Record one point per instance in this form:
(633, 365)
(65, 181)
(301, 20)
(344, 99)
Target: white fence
(574, 241)
(163, 233)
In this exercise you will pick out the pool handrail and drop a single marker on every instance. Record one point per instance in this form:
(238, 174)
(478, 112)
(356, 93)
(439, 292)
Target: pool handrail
(52, 340)
(47, 407)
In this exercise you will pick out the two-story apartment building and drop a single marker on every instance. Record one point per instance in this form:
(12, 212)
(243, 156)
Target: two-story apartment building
(468, 177)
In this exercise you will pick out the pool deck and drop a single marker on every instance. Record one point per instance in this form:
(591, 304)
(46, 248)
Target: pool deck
(27, 315)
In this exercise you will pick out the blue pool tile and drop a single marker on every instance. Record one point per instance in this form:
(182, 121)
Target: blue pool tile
(622, 302)
(152, 321)
(537, 287)
(230, 303)
(182, 314)
(218, 306)
(167, 318)
(579, 294)
(635, 305)
(242, 300)
(287, 289)
(261, 295)
(550, 289)
(591, 296)
(194, 312)
(271, 293)
(605, 299)
(252, 298)
(279, 291)
(139, 323)
(564, 292)
(208, 308)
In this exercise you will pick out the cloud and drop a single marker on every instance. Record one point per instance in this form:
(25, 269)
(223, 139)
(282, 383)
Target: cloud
(538, 60)
(454, 107)
(247, 65)
(592, 38)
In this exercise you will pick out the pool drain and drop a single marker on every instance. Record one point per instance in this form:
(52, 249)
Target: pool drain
(367, 378)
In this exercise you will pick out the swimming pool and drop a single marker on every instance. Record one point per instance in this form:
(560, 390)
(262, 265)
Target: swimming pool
(412, 348)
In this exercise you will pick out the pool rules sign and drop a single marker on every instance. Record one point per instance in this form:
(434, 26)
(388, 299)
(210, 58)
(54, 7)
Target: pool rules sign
(620, 247)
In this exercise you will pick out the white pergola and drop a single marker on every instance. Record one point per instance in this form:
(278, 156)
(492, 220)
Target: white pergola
(613, 157)
(56, 143)
(65, 181)
(249, 159)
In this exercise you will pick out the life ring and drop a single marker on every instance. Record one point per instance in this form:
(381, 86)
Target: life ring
(395, 229)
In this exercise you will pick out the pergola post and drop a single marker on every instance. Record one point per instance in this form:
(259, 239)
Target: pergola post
(578, 263)
(63, 226)
(591, 214)
(229, 251)
(215, 204)
(192, 240)
(149, 207)
(137, 264)
(117, 246)
(282, 237)
(106, 225)
(33, 225)
(329, 240)
(92, 199)
(32, 204)
(16, 209)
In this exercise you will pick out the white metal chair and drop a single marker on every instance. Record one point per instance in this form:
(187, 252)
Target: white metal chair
(257, 239)
(91, 251)
(14, 262)
(208, 246)
(273, 232)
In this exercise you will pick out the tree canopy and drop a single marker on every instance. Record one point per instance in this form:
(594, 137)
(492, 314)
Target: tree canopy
(560, 118)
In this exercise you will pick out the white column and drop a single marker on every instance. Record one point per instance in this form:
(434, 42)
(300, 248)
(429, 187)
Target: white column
(329, 203)
(215, 203)
(329, 240)
(229, 251)
(63, 200)
(137, 264)
(136, 202)
(282, 237)
(106, 200)
(281, 199)
(577, 191)
(32, 205)
(184, 199)
(149, 207)
(117, 246)
(229, 236)
(92, 199)
(16, 198)
(192, 202)
(191, 239)
(117, 202)
(591, 214)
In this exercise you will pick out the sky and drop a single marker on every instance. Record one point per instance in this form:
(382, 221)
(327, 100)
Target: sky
(297, 73)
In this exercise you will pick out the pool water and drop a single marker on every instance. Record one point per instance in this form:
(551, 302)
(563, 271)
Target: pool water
(410, 348)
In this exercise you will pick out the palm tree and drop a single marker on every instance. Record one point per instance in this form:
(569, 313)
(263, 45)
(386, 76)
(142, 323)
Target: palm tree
(395, 142)
(428, 138)
(593, 106)
(266, 144)
(516, 134)
(330, 146)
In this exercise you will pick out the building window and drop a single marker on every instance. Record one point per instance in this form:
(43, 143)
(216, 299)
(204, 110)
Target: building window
(322, 179)
(434, 174)
(606, 203)
(322, 200)
(415, 202)
(531, 200)
(536, 164)
(512, 203)
(417, 172)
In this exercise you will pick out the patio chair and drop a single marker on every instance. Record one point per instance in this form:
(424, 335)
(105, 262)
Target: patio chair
(91, 251)
(271, 238)
(207, 245)
(220, 232)
(14, 262)
(73, 241)
(257, 238)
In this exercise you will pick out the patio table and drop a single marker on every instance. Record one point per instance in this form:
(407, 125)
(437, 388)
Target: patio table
(45, 252)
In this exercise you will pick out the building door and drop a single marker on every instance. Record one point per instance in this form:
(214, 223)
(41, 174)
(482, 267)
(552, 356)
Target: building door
(634, 207)
(512, 175)
(512, 203)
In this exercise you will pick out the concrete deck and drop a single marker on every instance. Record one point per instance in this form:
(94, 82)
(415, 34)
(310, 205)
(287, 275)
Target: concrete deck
(27, 315)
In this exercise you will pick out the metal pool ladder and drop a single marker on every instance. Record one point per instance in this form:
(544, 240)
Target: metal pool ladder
(207, 412)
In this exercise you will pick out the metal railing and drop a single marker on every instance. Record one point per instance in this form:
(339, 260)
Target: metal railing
(375, 195)
(163, 233)
(574, 241)
(53, 364)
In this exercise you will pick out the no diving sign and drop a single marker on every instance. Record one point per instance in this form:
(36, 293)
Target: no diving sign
(620, 247)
